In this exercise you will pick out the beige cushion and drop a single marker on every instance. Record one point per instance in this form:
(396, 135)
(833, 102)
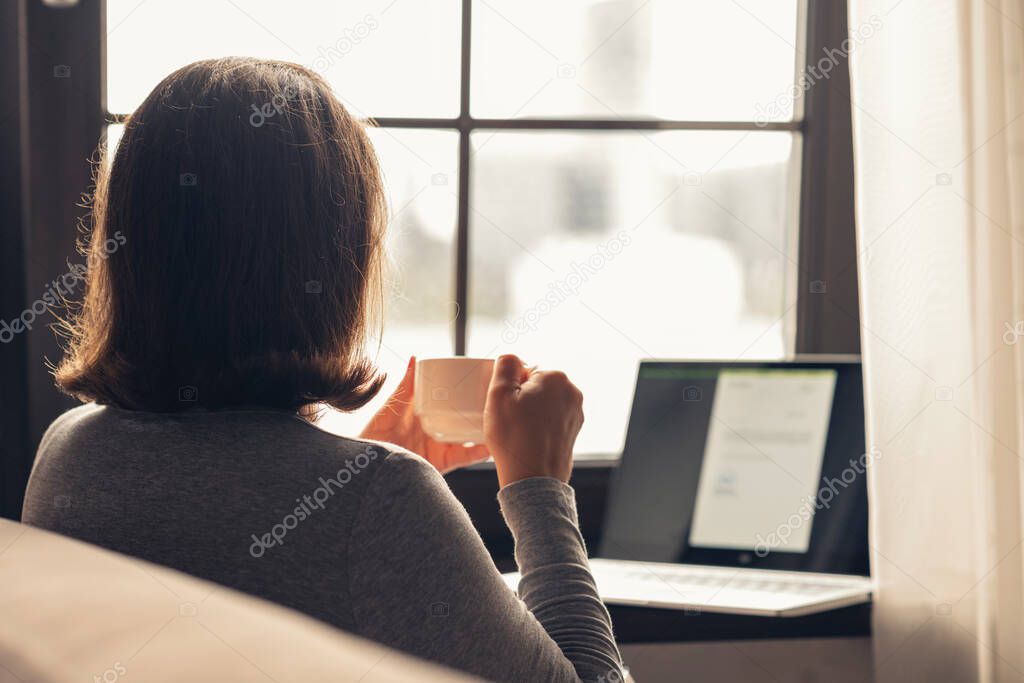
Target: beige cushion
(70, 611)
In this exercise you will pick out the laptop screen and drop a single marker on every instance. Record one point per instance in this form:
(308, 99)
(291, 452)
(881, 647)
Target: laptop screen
(747, 464)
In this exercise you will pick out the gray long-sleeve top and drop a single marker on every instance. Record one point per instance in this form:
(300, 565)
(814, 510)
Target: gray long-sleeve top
(361, 535)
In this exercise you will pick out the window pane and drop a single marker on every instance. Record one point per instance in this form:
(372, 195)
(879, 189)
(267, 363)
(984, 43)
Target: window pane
(383, 58)
(114, 133)
(421, 177)
(591, 251)
(681, 59)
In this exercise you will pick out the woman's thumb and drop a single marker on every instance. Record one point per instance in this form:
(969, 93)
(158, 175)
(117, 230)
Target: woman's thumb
(508, 373)
(405, 387)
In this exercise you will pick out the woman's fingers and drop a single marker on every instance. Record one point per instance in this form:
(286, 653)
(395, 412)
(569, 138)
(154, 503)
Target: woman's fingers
(399, 403)
(507, 375)
(396, 414)
(453, 456)
(405, 388)
(510, 373)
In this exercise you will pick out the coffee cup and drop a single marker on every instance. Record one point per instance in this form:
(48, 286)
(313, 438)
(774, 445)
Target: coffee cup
(449, 397)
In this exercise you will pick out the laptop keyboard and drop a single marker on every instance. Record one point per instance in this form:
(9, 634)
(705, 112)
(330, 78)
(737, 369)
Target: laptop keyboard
(735, 582)
(721, 589)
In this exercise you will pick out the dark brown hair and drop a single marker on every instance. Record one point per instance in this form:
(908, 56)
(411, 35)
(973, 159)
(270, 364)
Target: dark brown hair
(247, 215)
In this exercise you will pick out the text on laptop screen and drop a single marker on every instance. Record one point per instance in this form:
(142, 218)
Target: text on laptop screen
(762, 457)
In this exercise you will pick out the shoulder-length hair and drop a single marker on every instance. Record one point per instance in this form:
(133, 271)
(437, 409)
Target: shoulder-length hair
(247, 214)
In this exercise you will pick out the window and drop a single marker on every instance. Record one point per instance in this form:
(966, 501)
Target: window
(582, 182)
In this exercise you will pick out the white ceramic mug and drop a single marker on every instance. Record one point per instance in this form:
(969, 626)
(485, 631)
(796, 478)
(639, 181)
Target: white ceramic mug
(449, 397)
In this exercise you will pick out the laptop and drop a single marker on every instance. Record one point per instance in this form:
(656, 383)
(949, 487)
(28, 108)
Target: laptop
(741, 490)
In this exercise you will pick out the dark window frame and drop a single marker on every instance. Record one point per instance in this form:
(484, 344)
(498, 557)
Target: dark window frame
(45, 170)
(465, 124)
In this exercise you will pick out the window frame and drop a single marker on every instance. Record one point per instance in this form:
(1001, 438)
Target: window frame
(465, 124)
(47, 171)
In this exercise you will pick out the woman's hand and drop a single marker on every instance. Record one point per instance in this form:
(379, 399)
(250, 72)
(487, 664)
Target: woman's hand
(531, 421)
(397, 423)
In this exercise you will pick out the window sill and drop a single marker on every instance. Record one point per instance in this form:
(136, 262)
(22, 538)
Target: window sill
(579, 460)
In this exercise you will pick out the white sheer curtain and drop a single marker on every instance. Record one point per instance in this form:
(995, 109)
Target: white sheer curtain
(938, 94)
